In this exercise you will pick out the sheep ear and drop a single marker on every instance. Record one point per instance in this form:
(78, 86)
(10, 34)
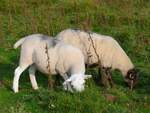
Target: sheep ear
(87, 76)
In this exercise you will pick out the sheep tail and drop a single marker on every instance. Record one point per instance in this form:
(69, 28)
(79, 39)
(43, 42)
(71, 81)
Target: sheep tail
(18, 43)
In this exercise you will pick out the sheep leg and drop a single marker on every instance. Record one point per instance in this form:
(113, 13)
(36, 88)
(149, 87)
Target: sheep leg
(17, 74)
(109, 75)
(32, 71)
(104, 78)
(68, 85)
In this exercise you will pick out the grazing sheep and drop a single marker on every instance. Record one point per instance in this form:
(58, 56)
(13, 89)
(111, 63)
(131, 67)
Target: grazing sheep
(63, 58)
(107, 50)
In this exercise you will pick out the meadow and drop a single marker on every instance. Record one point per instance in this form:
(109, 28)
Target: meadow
(128, 21)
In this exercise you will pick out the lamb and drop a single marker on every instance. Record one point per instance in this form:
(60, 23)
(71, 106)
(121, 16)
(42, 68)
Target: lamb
(64, 59)
(104, 48)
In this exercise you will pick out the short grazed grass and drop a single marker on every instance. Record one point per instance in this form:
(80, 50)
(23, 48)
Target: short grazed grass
(127, 21)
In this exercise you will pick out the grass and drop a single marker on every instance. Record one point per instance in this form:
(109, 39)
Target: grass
(127, 21)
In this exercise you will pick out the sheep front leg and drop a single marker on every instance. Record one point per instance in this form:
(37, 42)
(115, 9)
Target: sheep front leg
(32, 71)
(109, 76)
(68, 85)
(103, 77)
(106, 77)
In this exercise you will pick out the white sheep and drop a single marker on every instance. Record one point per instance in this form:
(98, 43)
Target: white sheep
(111, 55)
(64, 59)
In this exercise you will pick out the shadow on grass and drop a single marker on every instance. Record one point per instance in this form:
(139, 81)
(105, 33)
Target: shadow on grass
(7, 74)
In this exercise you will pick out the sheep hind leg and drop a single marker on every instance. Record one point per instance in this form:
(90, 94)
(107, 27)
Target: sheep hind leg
(32, 71)
(17, 73)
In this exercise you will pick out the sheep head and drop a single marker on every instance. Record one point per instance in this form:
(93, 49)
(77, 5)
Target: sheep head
(131, 78)
(77, 81)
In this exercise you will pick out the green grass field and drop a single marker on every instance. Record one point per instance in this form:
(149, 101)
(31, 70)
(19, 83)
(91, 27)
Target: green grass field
(128, 21)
